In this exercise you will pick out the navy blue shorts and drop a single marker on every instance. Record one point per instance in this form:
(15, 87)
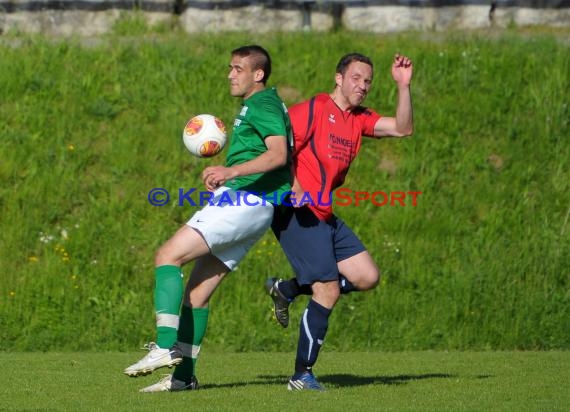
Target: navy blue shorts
(313, 246)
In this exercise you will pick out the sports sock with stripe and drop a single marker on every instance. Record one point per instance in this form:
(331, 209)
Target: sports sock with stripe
(167, 298)
(193, 323)
(314, 325)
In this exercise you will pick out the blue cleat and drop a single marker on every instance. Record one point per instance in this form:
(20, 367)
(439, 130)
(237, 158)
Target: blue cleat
(306, 381)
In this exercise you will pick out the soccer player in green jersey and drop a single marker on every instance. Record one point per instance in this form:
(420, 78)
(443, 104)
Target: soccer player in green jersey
(255, 178)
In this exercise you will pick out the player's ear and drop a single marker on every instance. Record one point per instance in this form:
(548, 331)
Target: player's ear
(258, 75)
(338, 79)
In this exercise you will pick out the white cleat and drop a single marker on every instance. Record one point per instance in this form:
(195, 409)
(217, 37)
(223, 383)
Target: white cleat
(156, 358)
(171, 384)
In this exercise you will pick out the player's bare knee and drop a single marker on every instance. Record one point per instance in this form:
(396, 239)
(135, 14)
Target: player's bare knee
(334, 293)
(159, 257)
(164, 257)
(326, 293)
(375, 279)
(372, 278)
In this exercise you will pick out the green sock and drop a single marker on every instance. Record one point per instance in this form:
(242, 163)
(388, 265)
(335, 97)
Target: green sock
(167, 298)
(193, 323)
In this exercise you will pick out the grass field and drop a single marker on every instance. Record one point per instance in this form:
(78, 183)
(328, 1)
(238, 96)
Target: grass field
(481, 264)
(400, 381)
(89, 127)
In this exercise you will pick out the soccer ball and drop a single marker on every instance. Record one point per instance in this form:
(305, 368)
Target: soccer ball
(204, 135)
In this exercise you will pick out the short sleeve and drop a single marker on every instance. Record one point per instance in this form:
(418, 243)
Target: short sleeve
(368, 120)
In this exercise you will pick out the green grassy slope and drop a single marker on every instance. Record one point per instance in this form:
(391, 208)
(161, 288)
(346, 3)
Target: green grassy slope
(481, 261)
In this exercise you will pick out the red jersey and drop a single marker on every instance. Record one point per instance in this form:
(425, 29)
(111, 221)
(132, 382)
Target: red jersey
(327, 140)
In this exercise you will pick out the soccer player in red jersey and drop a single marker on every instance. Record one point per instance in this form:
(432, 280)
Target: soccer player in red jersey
(327, 257)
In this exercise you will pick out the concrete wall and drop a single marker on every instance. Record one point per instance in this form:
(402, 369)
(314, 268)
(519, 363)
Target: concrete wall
(93, 17)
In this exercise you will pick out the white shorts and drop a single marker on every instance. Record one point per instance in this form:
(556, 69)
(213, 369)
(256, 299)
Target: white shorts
(231, 226)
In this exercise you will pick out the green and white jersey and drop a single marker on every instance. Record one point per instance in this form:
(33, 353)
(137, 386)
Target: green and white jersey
(263, 114)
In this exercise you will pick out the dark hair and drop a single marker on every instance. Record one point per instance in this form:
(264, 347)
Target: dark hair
(345, 61)
(259, 58)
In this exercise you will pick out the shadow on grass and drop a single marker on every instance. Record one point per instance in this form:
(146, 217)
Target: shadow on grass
(335, 380)
(356, 380)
